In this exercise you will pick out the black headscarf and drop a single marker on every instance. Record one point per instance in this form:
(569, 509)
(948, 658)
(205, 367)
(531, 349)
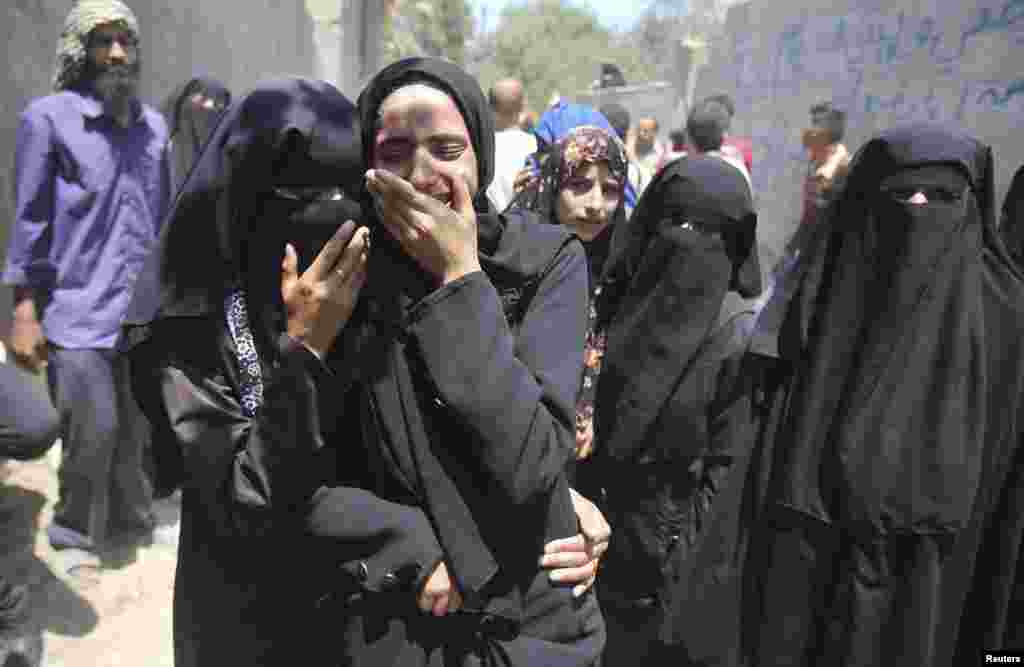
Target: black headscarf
(189, 126)
(1011, 226)
(448, 78)
(691, 240)
(229, 226)
(901, 291)
(896, 419)
(513, 249)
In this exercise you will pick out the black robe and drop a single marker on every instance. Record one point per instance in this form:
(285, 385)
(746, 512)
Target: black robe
(882, 507)
(667, 411)
(308, 525)
(188, 126)
(1011, 225)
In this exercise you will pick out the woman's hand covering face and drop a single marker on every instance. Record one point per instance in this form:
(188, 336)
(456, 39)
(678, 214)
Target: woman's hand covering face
(320, 302)
(442, 239)
(424, 178)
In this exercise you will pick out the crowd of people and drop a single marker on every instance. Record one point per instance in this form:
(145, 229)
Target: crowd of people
(438, 390)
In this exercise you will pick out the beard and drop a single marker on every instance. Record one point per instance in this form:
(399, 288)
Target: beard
(116, 86)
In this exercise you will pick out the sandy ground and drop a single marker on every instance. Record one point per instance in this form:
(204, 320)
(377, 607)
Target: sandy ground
(123, 620)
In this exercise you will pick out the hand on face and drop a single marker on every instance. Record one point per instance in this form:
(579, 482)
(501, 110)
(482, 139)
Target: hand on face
(424, 179)
(320, 302)
(441, 238)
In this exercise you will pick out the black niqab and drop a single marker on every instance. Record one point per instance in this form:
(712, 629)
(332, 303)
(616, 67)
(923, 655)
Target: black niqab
(188, 125)
(228, 229)
(689, 242)
(900, 414)
(1011, 225)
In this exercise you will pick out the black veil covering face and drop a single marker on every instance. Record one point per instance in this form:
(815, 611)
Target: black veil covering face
(281, 166)
(889, 448)
(1011, 225)
(278, 169)
(190, 125)
(689, 243)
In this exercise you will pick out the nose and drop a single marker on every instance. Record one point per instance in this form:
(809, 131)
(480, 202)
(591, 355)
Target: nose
(423, 174)
(593, 203)
(117, 51)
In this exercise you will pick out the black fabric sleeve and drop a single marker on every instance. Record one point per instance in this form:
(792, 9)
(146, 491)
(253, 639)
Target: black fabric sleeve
(273, 474)
(517, 394)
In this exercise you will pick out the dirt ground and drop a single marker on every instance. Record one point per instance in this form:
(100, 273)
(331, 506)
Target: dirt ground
(122, 620)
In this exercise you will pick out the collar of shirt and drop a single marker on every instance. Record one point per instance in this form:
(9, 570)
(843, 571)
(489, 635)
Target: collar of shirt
(92, 108)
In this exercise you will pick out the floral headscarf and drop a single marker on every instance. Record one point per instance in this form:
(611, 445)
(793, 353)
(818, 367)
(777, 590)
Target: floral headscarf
(583, 145)
(586, 144)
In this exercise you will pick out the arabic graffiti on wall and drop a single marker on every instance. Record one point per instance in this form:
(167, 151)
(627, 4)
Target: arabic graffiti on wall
(884, 62)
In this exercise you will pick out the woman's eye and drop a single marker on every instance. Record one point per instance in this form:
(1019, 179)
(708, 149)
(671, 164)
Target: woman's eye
(580, 185)
(449, 151)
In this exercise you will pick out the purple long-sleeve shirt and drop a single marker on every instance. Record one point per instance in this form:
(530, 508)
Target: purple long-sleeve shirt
(90, 199)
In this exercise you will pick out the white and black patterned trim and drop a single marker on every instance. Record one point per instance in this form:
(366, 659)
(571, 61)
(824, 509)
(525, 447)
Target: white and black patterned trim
(249, 371)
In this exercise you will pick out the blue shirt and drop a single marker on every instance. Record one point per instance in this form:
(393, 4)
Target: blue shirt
(90, 199)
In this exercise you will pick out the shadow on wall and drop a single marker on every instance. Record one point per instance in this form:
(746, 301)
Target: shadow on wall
(180, 38)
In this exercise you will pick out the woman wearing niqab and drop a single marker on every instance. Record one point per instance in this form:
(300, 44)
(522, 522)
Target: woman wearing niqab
(1011, 225)
(884, 512)
(192, 111)
(665, 411)
(322, 490)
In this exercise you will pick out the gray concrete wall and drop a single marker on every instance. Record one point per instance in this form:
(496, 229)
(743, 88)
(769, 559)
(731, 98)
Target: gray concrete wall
(884, 61)
(238, 41)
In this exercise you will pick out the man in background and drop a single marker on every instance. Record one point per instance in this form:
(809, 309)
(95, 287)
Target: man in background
(735, 146)
(828, 159)
(511, 144)
(707, 127)
(91, 189)
(644, 148)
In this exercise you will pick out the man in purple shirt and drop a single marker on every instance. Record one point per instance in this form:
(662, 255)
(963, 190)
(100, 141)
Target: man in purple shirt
(91, 188)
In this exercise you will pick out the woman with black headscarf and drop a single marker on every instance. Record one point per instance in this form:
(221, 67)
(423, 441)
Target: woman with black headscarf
(488, 316)
(1011, 225)
(344, 474)
(884, 506)
(666, 414)
(192, 111)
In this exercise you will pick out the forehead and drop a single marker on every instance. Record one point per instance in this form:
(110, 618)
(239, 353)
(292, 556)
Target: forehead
(111, 28)
(597, 170)
(419, 106)
(648, 124)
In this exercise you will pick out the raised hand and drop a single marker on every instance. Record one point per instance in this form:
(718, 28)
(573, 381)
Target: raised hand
(442, 238)
(320, 302)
